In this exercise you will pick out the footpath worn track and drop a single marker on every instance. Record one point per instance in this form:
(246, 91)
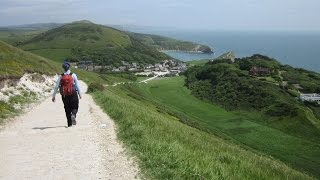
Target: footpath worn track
(37, 145)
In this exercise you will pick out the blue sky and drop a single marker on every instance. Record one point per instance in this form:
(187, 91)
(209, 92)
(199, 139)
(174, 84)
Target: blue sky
(273, 15)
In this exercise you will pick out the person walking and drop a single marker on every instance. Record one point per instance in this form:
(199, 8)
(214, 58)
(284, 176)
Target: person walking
(69, 88)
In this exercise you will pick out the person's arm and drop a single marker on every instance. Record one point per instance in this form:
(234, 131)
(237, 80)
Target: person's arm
(56, 89)
(76, 82)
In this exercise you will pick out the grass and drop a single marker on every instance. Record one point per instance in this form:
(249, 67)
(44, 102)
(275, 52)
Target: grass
(197, 62)
(241, 127)
(57, 55)
(169, 149)
(142, 78)
(12, 36)
(15, 62)
(7, 109)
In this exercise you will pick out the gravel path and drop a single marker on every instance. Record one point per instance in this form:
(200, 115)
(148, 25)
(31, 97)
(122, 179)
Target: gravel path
(37, 145)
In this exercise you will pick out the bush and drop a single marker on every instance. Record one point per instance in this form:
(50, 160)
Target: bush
(93, 87)
(282, 109)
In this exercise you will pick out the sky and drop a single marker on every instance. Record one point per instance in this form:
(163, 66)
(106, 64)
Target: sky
(268, 15)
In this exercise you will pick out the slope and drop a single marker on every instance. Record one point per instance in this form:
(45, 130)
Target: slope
(170, 96)
(15, 62)
(169, 149)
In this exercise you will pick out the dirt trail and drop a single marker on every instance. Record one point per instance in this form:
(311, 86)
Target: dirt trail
(38, 145)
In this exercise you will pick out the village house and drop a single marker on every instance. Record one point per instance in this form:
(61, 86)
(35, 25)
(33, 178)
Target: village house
(134, 65)
(97, 68)
(310, 97)
(149, 66)
(259, 71)
(123, 68)
(85, 65)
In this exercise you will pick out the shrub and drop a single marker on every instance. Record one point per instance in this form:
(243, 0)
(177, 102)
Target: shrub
(282, 109)
(93, 87)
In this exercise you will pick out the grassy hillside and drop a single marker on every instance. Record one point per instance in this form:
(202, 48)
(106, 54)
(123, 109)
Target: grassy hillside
(32, 27)
(15, 62)
(88, 41)
(16, 36)
(230, 86)
(247, 128)
(169, 149)
(165, 43)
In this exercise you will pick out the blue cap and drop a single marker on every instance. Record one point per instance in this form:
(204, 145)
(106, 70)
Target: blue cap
(66, 66)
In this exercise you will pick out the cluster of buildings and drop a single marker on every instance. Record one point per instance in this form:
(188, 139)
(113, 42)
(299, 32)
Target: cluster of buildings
(310, 97)
(165, 67)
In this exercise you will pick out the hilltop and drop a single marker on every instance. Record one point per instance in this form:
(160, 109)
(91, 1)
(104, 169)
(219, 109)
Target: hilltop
(83, 40)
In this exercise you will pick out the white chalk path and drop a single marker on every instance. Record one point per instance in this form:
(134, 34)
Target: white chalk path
(37, 145)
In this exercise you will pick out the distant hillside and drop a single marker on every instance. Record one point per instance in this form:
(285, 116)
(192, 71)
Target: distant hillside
(37, 26)
(261, 89)
(165, 43)
(84, 40)
(231, 86)
(16, 34)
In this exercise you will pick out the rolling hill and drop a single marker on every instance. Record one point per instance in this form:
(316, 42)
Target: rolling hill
(84, 40)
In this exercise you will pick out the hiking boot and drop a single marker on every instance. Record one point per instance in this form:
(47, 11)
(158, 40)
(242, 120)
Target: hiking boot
(73, 119)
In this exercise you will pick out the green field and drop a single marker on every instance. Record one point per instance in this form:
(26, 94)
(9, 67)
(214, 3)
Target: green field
(171, 94)
(168, 149)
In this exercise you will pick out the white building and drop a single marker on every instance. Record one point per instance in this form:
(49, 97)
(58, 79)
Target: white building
(310, 97)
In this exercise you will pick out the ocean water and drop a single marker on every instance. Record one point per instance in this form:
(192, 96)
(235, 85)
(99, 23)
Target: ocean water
(296, 49)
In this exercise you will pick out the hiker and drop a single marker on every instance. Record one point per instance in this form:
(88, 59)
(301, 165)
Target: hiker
(69, 88)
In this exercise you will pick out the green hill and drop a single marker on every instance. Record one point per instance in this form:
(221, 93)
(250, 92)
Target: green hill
(84, 40)
(165, 43)
(153, 124)
(231, 86)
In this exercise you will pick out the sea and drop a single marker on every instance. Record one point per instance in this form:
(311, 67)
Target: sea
(298, 49)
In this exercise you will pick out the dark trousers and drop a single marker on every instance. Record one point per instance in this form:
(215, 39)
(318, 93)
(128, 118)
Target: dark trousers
(71, 105)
